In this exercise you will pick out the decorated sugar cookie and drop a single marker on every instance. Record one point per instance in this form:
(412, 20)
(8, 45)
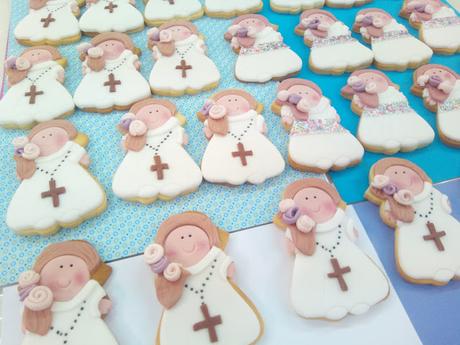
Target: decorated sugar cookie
(181, 64)
(36, 92)
(193, 282)
(262, 54)
(440, 88)
(294, 6)
(51, 22)
(56, 188)
(332, 276)
(158, 12)
(156, 164)
(111, 15)
(427, 237)
(238, 149)
(64, 301)
(388, 123)
(393, 46)
(438, 24)
(111, 77)
(333, 50)
(227, 9)
(313, 122)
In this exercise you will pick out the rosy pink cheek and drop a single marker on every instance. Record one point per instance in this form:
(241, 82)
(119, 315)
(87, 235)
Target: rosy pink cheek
(79, 278)
(171, 252)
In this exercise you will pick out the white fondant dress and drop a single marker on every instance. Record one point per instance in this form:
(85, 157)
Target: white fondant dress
(63, 23)
(199, 70)
(83, 194)
(121, 16)
(268, 59)
(448, 115)
(52, 99)
(164, 10)
(443, 30)
(393, 125)
(89, 328)
(221, 163)
(422, 259)
(239, 323)
(134, 178)
(130, 88)
(239, 6)
(316, 295)
(321, 142)
(296, 5)
(339, 50)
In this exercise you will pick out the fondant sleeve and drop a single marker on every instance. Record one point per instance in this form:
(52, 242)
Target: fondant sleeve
(260, 121)
(77, 152)
(445, 203)
(95, 297)
(226, 262)
(350, 229)
(178, 134)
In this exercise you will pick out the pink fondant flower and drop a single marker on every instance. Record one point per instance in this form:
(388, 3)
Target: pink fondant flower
(305, 224)
(40, 298)
(137, 128)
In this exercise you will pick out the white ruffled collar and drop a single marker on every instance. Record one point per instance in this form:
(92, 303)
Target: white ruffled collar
(331, 223)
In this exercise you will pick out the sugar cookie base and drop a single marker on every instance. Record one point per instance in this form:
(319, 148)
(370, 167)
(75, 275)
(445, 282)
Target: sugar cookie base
(148, 201)
(112, 108)
(63, 41)
(187, 91)
(33, 123)
(234, 13)
(158, 22)
(95, 33)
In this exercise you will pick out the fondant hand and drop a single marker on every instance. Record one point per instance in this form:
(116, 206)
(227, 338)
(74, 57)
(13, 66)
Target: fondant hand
(85, 161)
(104, 306)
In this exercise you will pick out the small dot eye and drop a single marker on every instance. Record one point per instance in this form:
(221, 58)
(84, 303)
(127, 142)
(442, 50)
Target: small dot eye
(306, 198)
(51, 134)
(314, 197)
(157, 111)
(396, 173)
(71, 265)
(61, 266)
(236, 99)
(190, 235)
(182, 237)
(404, 171)
(150, 112)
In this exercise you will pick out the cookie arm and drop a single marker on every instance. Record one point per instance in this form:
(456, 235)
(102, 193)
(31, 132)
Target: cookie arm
(445, 203)
(227, 268)
(351, 231)
(260, 123)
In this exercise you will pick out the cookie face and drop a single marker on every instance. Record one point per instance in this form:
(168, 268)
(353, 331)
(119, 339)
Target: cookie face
(426, 242)
(158, 12)
(394, 48)
(35, 88)
(56, 189)
(227, 9)
(111, 77)
(326, 260)
(71, 274)
(262, 55)
(181, 63)
(193, 282)
(156, 165)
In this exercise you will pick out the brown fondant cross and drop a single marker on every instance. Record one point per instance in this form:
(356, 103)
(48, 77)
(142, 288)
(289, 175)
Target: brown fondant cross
(435, 236)
(110, 7)
(183, 67)
(159, 166)
(209, 323)
(53, 192)
(48, 20)
(338, 273)
(32, 94)
(112, 83)
(241, 154)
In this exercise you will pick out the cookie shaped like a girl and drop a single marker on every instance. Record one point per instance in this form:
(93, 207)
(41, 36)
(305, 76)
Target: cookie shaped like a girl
(427, 237)
(262, 54)
(111, 15)
(333, 50)
(181, 64)
(393, 46)
(193, 282)
(51, 22)
(387, 123)
(313, 122)
(64, 301)
(332, 276)
(440, 88)
(36, 92)
(111, 77)
(158, 12)
(238, 150)
(156, 164)
(56, 188)
(227, 9)
(438, 24)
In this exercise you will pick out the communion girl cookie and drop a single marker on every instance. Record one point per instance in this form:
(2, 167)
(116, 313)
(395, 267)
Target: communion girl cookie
(156, 164)
(294, 6)
(111, 15)
(427, 237)
(313, 122)
(181, 64)
(333, 50)
(36, 92)
(56, 188)
(332, 276)
(64, 301)
(395, 49)
(111, 77)
(158, 12)
(238, 150)
(51, 22)
(193, 282)
(262, 54)
(387, 123)
(438, 24)
(440, 88)
(227, 9)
